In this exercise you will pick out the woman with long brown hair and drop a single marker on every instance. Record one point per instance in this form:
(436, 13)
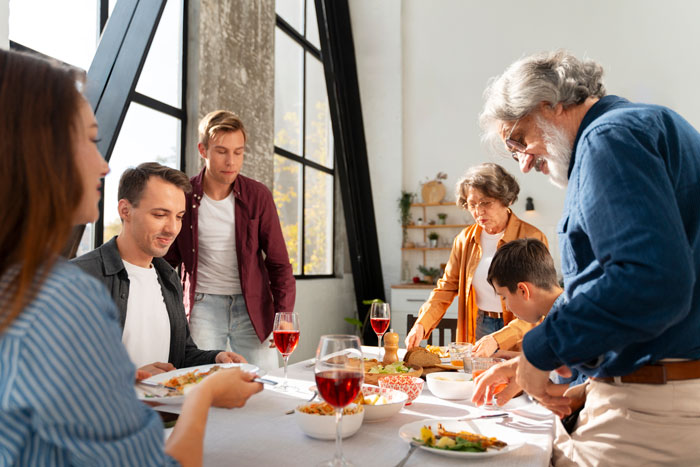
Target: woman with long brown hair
(66, 382)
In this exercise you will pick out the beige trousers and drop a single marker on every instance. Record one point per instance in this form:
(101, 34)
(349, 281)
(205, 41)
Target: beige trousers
(634, 425)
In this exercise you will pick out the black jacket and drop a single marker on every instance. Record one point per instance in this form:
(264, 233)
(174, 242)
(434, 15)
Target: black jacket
(106, 265)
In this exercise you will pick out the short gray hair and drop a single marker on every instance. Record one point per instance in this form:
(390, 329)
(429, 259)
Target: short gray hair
(492, 180)
(553, 77)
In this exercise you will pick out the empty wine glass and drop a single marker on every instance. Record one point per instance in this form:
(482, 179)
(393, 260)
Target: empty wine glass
(339, 373)
(380, 318)
(286, 336)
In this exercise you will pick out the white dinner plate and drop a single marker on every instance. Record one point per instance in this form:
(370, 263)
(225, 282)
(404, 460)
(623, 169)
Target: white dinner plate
(485, 427)
(145, 394)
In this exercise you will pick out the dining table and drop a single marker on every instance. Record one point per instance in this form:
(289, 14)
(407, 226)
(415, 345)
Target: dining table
(262, 433)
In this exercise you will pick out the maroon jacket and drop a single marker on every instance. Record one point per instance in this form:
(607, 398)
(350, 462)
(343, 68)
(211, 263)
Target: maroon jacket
(267, 282)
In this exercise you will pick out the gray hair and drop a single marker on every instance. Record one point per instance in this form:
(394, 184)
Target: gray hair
(492, 180)
(552, 77)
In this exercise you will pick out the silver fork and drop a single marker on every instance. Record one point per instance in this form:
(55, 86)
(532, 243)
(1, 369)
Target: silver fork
(401, 463)
(313, 396)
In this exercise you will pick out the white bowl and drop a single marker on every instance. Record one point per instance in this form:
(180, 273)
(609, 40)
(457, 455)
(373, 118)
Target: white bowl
(450, 385)
(395, 400)
(323, 426)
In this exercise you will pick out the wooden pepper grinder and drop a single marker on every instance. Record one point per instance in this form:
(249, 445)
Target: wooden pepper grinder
(391, 347)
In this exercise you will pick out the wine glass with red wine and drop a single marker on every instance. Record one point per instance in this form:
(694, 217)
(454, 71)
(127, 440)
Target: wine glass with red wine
(380, 318)
(339, 374)
(286, 335)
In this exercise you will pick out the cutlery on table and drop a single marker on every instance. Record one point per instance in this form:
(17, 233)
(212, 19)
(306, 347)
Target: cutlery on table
(265, 381)
(313, 396)
(479, 417)
(414, 445)
(156, 385)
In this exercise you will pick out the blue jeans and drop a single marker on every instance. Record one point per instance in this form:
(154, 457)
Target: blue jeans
(222, 322)
(486, 325)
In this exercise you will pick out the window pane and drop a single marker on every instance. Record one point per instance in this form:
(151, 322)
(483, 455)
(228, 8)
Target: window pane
(288, 93)
(318, 218)
(86, 241)
(319, 134)
(312, 23)
(286, 190)
(292, 11)
(146, 135)
(161, 74)
(66, 30)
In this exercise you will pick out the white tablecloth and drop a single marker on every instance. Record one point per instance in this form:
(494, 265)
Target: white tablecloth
(260, 434)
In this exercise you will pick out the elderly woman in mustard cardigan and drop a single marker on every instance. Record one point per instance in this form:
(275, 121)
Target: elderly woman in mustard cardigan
(486, 191)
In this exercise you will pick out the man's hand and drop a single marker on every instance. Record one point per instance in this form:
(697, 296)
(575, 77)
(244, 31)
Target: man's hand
(575, 394)
(497, 374)
(536, 383)
(230, 388)
(485, 347)
(229, 357)
(155, 368)
(415, 336)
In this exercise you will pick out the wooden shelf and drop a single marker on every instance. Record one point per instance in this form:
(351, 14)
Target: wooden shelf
(443, 203)
(427, 248)
(438, 226)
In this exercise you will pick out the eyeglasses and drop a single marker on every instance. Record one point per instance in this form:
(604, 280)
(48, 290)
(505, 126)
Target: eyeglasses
(516, 147)
(485, 205)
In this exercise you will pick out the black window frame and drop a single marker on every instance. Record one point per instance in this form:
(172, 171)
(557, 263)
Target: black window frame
(149, 102)
(301, 40)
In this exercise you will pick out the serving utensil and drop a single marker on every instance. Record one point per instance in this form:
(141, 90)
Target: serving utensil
(313, 396)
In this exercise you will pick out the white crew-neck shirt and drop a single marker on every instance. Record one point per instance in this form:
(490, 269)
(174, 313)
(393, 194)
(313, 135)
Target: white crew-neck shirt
(486, 298)
(146, 333)
(217, 268)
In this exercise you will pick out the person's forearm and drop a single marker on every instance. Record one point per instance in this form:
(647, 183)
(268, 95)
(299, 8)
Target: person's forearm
(186, 443)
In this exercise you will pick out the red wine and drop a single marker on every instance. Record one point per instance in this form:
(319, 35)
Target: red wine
(286, 341)
(380, 325)
(338, 388)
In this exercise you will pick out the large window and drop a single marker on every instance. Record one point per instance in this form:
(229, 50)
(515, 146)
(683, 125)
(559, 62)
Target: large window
(154, 126)
(304, 173)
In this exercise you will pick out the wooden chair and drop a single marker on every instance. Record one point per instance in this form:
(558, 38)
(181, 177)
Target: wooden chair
(444, 325)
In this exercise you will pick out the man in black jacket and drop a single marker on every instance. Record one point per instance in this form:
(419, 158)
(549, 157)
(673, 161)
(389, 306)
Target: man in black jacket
(145, 288)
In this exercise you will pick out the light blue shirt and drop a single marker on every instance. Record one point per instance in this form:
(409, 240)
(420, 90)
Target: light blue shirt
(66, 382)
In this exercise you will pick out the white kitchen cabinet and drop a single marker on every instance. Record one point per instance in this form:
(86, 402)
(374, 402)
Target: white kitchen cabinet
(407, 300)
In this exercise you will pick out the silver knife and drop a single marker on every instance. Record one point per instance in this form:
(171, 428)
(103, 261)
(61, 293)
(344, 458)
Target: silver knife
(478, 417)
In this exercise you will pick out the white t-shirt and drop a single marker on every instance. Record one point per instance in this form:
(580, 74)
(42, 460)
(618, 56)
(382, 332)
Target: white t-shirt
(146, 333)
(486, 298)
(217, 269)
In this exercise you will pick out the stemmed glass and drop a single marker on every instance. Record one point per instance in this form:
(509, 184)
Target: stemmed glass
(339, 374)
(286, 335)
(380, 318)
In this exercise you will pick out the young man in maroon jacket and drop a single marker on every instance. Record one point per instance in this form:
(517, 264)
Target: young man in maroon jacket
(235, 268)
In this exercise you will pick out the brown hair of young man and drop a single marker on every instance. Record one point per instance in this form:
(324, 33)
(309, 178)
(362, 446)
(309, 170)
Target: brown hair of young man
(216, 121)
(40, 184)
(133, 181)
(523, 260)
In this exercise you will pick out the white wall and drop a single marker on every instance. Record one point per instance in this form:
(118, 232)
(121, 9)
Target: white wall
(450, 48)
(379, 69)
(4, 24)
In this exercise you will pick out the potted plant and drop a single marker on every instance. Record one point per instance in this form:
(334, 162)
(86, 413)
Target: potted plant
(442, 216)
(405, 218)
(430, 275)
(433, 237)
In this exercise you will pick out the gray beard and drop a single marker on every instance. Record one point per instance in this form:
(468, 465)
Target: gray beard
(559, 150)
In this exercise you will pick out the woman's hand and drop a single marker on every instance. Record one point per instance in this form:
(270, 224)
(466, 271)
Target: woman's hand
(230, 387)
(230, 357)
(485, 347)
(415, 336)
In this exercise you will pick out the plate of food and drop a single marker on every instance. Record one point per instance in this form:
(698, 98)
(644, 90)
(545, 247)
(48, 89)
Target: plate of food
(172, 386)
(375, 370)
(454, 438)
(381, 404)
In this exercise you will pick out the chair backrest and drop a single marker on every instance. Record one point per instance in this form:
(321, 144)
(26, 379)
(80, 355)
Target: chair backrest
(444, 325)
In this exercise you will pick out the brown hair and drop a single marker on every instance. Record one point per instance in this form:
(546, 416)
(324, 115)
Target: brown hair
(40, 184)
(523, 260)
(216, 121)
(133, 181)
(492, 180)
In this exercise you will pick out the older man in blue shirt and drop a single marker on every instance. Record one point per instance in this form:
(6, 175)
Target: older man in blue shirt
(630, 247)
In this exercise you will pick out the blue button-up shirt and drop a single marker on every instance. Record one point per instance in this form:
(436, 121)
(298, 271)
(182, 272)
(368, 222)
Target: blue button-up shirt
(630, 245)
